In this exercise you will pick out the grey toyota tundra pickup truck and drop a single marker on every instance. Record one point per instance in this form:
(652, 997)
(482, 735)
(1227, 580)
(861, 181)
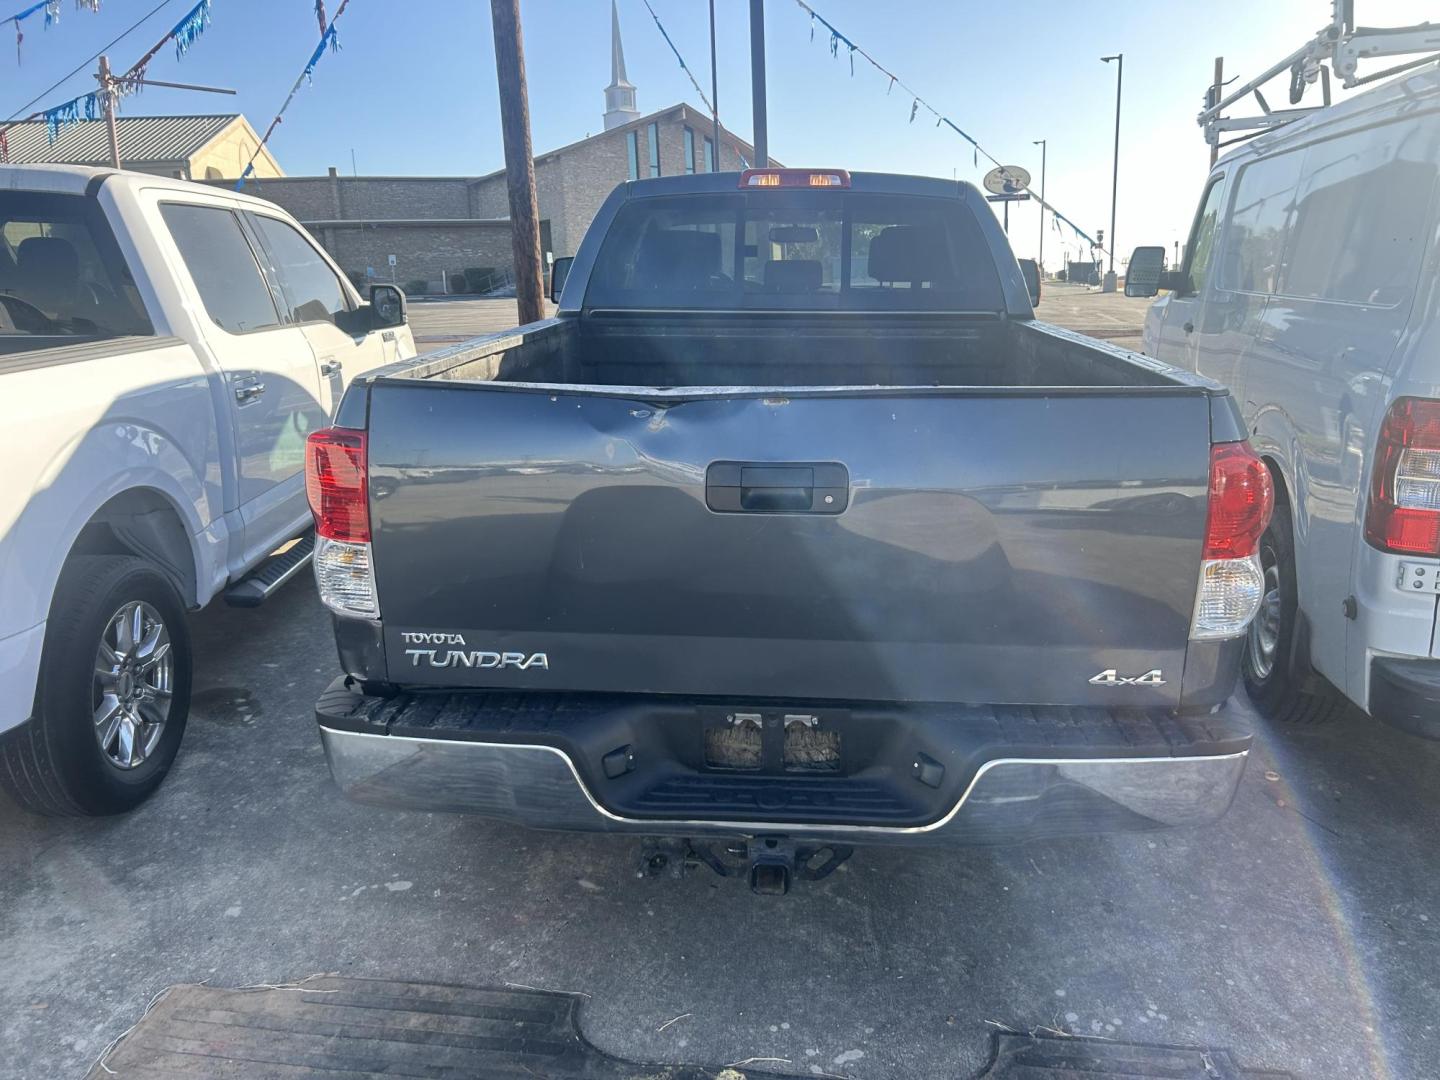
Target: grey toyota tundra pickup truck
(794, 530)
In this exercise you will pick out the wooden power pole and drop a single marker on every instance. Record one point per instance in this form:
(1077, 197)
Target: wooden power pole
(107, 103)
(519, 159)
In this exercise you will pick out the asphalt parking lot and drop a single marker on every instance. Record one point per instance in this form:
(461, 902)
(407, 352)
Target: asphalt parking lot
(1302, 932)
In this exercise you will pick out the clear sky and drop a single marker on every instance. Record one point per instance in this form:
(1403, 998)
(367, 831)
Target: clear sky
(412, 90)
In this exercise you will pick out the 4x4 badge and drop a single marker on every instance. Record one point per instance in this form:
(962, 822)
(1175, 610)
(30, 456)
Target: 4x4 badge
(1109, 677)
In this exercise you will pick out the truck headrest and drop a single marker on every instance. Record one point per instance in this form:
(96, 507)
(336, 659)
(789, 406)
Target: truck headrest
(910, 253)
(792, 275)
(50, 256)
(677, 259)
(49, 272)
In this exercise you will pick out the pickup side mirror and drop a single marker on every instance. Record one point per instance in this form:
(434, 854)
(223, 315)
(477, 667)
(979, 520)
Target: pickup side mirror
(387, 306)
(559, 271)
(1030, 270)
(1142, 276)
(1176, 281)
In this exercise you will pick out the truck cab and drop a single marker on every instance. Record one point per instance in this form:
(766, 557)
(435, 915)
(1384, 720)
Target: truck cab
(165, 348)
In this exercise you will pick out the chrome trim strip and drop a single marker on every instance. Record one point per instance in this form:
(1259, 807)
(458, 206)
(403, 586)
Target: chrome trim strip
(773, 826)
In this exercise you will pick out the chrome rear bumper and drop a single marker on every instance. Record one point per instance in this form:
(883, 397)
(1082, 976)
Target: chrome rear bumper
(1008, 800)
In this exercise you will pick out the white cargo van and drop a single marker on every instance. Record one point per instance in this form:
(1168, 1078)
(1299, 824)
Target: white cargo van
(1311, 287)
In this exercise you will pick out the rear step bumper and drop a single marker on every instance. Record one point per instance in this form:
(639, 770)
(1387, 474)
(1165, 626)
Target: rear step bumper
(1015, 773)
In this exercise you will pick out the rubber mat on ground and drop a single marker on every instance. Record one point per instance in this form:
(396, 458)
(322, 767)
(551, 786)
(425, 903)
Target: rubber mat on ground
(1053, 1057)
(361, 1029)
(328, 1028)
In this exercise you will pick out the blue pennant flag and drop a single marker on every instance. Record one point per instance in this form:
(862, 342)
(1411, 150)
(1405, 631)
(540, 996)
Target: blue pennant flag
(188, 29)
(85, 107)
(326, 40)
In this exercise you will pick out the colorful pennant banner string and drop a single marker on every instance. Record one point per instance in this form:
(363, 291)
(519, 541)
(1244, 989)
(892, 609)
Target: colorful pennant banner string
(84, 107)
(90, 106)
(51, 12)
(328, 40)
(837, 39)
(191, 27)
(683, 66)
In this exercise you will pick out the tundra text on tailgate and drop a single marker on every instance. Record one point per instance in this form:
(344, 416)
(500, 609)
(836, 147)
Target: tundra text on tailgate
(794, 528)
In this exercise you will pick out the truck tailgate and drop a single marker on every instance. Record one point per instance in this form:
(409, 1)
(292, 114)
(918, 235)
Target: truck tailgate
(981, 546)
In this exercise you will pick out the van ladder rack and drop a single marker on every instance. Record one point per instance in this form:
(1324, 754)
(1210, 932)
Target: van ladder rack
(1343, 45)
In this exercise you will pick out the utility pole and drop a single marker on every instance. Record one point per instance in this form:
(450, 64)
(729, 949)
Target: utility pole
(519, 159)
(107, 102)
(714, 94)
(757, 83)
(1110, 281)
(1040, 259)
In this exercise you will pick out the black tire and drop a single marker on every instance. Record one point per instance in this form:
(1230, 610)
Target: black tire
(54, 764)
(1275, 691)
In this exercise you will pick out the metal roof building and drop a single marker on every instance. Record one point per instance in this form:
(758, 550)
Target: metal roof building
(209, 147)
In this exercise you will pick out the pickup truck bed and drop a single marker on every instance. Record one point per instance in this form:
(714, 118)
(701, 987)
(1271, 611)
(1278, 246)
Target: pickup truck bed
(781, 570)
(900, 349)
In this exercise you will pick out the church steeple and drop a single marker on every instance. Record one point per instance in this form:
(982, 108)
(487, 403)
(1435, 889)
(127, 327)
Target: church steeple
(620, 94)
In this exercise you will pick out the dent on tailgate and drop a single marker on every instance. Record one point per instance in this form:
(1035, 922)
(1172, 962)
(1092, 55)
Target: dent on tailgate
(1001, 548)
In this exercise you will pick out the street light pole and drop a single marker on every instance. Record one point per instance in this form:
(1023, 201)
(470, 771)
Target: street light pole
(1110, 282)
(1040, 259)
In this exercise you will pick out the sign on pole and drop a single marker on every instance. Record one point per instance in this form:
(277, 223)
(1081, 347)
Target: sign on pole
(1007, 180)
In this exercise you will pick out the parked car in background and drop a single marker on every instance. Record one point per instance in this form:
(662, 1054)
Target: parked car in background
(795, 529)
(165, 348)
(1311, 287)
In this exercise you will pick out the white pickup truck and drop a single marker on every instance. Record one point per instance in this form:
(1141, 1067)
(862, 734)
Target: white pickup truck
(165, 348)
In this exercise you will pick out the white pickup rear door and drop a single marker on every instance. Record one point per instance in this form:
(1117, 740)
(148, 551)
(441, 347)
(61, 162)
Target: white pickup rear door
(267, 380)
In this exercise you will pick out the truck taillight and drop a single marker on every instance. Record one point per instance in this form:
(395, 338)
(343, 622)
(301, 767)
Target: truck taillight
(1232, 584)
(1404, 511)
(1241, 499)
(336, 485)
(793, 178)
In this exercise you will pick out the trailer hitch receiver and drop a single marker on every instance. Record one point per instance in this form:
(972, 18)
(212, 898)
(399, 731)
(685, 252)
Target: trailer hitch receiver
(772, 864)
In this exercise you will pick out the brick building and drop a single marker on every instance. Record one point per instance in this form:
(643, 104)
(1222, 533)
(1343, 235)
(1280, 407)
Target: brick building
(436, 225)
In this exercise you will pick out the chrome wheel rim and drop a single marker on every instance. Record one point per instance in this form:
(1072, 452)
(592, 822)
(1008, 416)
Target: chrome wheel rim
(1265, 630)
(133, 684)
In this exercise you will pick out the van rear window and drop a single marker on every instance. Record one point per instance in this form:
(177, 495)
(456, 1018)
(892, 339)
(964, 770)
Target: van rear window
(798, 250)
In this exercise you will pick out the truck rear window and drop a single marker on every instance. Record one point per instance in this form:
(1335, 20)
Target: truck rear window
(62, 277)
(798, 250)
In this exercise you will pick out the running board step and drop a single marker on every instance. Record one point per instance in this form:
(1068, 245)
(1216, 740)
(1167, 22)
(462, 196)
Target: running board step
(257, 586)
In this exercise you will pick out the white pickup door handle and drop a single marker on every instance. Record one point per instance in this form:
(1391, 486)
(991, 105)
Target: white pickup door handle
(248, 391)
(330, 366)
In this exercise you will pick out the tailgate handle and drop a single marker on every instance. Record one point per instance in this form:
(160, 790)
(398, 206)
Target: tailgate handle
(811, 487)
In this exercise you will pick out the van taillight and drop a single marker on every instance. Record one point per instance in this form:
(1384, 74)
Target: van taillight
(1242, 496)
(1404, 511)
(1232, 583)
(335, 484)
